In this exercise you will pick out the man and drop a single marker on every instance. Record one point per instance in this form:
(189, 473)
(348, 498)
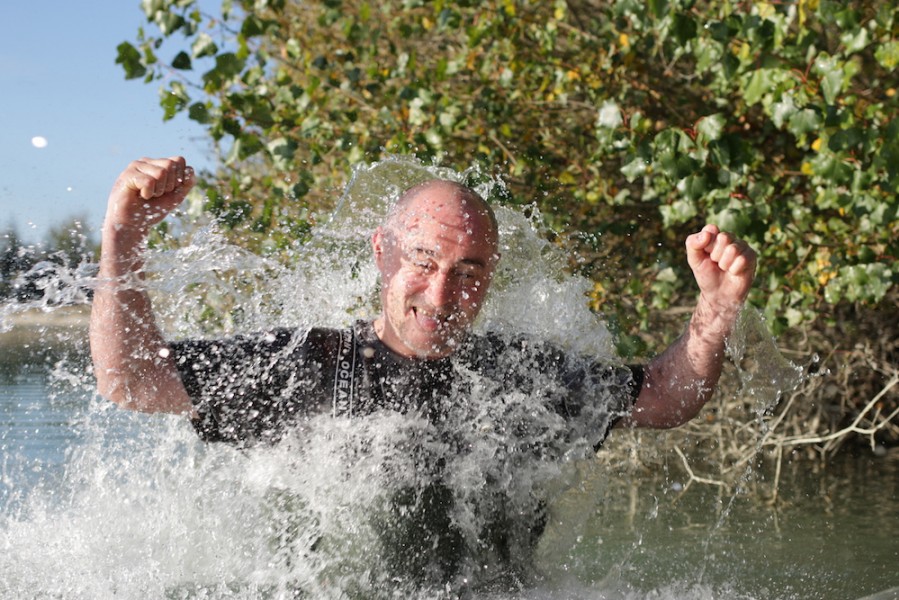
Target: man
(436, 252)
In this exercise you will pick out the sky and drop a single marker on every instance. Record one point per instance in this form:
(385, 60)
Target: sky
(69, 121)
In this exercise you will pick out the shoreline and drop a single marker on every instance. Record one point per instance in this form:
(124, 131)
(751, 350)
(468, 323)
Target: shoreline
(25, 327)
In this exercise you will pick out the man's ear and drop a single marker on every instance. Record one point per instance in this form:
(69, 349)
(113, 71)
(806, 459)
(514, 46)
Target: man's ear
(377, 246)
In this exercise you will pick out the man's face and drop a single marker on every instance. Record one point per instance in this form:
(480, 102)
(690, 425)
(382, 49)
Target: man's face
(436, 259)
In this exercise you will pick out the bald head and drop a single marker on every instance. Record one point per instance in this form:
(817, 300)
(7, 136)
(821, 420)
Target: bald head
(454, 195)
(436, 252)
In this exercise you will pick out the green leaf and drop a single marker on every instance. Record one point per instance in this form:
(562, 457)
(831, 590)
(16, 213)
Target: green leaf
(855, 41)
(720, 31)
(761, 82)
(782, 111)
(130, 59)
(678, 212)
(804, 121)
(151, 7)
(831, 168)
(683, 27)
(169, 22)
(831, 71)
(658, 8)
(173, 99)
(846, 139)
(199, 113)
(609, 115)
(867, 282)
(252, 26)
(282, 151)
(634, 169)
(227, 67)
(182, 61)
(203, 46)
(693, 186)
(711, 127)
(888, 55)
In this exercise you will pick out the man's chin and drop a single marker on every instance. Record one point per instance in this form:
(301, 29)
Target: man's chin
(433, 347)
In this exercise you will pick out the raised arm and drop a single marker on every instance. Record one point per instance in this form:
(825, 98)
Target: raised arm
(680, 381)
(131, 359)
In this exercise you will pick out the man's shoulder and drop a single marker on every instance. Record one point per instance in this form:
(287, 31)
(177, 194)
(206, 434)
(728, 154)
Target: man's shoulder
(262, 342)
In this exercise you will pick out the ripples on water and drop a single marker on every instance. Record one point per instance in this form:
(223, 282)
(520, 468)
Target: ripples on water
(101, 503)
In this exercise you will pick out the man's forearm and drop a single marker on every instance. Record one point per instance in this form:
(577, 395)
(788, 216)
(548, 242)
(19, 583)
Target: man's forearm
(130, 356)
(679, 382)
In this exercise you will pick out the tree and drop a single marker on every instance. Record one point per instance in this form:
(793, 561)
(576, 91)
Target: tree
(626, 122)
(70, 243)
(15, 258)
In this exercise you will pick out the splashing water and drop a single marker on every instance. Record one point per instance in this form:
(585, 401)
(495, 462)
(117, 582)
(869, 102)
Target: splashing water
(367, 508)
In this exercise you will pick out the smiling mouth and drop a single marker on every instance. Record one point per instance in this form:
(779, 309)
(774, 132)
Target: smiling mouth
(430, 321)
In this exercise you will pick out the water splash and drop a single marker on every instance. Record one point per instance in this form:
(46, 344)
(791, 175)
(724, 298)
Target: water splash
(341, 508)
(765, 374)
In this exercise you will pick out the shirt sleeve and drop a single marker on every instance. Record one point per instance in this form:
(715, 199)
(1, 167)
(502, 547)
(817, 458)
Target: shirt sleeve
(599, 395)
(247, 389)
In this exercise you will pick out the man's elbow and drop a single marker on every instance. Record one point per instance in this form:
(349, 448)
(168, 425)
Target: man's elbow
(114, 386)
(667, 416)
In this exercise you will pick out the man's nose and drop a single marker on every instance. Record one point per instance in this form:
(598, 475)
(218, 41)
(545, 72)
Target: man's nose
(441, 290)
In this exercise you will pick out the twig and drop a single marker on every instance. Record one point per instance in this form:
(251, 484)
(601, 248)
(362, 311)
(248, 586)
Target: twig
(692, 475)
(853, 428)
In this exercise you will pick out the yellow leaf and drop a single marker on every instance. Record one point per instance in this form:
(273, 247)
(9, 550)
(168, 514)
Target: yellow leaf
(427, 23)
(765, 9)
(807, 168)
(816, 145)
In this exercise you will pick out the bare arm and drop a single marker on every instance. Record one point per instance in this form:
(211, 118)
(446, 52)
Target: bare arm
(131, 359)
(681, 379)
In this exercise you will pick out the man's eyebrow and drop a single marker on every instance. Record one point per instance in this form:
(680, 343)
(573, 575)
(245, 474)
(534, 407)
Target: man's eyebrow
(431, 253)
(476, 262)
(418, 250)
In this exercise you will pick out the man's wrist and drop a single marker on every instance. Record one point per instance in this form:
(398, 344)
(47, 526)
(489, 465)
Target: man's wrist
(714, 318)
(121, 250)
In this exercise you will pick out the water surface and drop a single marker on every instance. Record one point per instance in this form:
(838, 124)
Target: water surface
(98, 502)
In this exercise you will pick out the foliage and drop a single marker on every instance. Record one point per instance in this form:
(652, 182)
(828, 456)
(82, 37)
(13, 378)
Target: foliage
(26, 268)
(628, 123)
(15, 258)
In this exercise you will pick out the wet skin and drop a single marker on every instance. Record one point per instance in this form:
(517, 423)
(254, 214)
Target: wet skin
(437, 256)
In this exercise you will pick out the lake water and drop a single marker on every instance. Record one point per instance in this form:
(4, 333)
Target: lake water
(99, 503)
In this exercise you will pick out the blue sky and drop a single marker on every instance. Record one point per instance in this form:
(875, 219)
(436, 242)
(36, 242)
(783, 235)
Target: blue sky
(59, 81)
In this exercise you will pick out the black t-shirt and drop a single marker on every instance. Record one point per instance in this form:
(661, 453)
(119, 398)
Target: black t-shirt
(496, 413)
(253, 388)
